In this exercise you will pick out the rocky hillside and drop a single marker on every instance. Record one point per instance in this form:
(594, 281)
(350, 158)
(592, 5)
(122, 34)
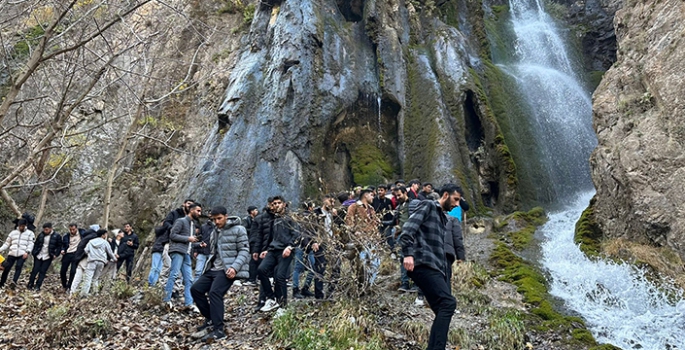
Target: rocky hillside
(232, 101)
(638, 166)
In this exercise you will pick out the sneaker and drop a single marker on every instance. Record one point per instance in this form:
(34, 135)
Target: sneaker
(259, 306)
(297, 294)
(404, 288)
(250, 283)
(193, 308)
(216, 335)
(414, 289)
(419, 301)
(207, 324)
(237, 284)
(393, 256)
(306, 293)
(269, 305)
(170, 305)
(279, 313)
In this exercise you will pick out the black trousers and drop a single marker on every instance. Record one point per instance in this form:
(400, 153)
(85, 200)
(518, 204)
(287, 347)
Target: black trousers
(448, 270)
(208, 293)
(254, 265)
(319, 270)
(434, 285)
(67, 262)
(40, 268)
(8, 266)
(274, 263)
(129, 265)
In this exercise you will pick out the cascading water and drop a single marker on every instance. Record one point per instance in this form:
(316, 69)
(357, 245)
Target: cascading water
(560, 107)
(621, 306)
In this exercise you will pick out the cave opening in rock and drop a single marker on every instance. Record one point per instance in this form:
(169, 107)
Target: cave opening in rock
(490, 199)
(352, 10)
(474, 128)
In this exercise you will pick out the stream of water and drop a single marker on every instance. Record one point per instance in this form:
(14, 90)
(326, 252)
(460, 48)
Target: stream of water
(620, 305)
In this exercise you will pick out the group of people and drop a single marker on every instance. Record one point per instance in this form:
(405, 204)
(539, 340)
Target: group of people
(268, 249)
(86, 255)
(278, 245)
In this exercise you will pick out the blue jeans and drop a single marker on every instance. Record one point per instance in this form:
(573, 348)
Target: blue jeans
(301, 267)
(371, 262)
(199, 266)
(156, 268)
(180, 262)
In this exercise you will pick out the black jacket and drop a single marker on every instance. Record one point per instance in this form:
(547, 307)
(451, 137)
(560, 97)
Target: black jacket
(171, 218)
(81, 249)
(454, 241)
(260, 231)
(285, 232)
(161, 238)
(206, 233)
(54, 245)
(124, 249)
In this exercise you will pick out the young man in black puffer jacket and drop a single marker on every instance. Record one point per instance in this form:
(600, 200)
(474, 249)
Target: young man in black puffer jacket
(48, 246)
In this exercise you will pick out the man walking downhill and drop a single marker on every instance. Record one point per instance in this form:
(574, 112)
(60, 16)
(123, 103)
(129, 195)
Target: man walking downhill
(70, 242)
(98, 250)
(229, 258)
(48, 246)
(180, 246)
(423, 241)
(278, 256)
(127, 249)
(80, 256)
(20, 243)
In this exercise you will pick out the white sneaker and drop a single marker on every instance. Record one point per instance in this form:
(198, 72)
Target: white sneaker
(269, 305)
(279, 313)
(193, 308)
(238, 283)
(418, 301)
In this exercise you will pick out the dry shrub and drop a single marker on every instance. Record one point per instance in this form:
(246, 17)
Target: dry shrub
(661, 260)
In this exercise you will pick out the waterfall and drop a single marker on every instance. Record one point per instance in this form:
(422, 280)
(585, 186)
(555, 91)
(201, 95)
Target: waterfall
(619, 304)
(560, 107)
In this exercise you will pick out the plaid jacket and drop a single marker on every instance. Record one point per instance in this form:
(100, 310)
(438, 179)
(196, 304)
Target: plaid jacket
(423, 236)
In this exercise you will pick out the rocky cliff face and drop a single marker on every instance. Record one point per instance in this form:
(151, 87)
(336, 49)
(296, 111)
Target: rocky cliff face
(327, 94)
(638, 167)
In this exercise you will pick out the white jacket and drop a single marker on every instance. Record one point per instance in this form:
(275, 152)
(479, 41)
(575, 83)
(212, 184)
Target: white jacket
(19, 243)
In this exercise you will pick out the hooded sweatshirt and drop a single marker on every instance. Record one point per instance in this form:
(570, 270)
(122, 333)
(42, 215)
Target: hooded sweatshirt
(98, 249)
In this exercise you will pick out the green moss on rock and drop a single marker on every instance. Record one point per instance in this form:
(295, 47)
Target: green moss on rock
(369, 165)
(588, 235)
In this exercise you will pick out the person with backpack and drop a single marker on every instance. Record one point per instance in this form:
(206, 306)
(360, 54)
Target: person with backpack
(47, 247)
(20, 244)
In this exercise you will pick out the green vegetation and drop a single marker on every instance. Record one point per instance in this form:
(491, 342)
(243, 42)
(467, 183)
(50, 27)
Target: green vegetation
(369, 165)
(594, 78)
(588, 234)
(22, 48)
(297, 329)
(528, 221)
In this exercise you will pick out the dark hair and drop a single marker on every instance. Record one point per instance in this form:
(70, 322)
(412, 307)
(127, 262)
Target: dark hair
(219, 210)
(47, 225)
(269, 200)
(73, 224)
(371, 188)
(101, 232)
(415, 181)
(128, 223)
(278, 198)
(251, 208)
(382, 186)
(21, 222)
(343, 196)
(194, 205)
(449, 189)
(328, 195)
(189, 200)
(400, 181)
(428, 184)
(402, 189)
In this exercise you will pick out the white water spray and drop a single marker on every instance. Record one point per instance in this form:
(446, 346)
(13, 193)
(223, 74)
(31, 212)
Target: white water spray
(619, 304)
